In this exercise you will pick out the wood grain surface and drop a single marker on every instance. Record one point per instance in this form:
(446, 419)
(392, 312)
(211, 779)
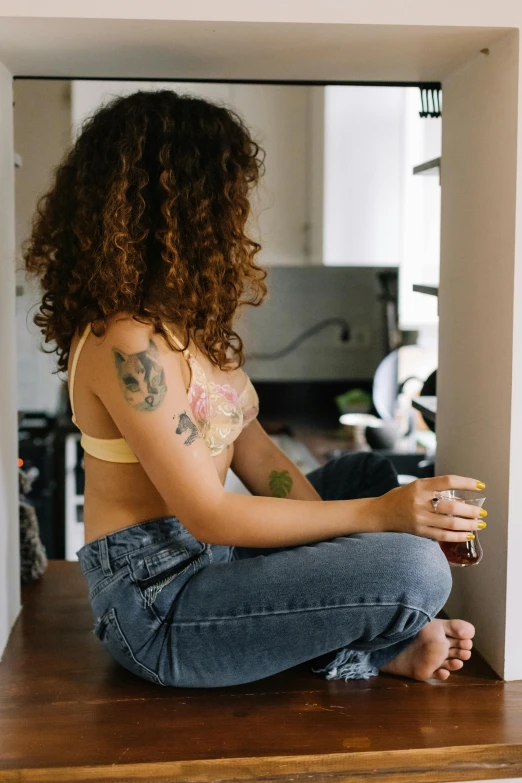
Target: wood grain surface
(68, 712)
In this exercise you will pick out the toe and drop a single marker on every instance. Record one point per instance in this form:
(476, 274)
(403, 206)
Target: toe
(464, 644)
(459, 629)
(457, 652)
(452, 664)
(441, 674)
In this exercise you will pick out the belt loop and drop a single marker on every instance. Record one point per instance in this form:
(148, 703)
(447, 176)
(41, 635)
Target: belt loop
(104, 556)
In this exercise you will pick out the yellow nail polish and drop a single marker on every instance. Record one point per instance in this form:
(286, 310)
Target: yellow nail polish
(481, 485)
(483, 512)
(481, 525)
(470, 537)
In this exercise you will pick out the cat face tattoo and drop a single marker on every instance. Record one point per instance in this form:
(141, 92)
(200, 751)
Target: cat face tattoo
(141, 377)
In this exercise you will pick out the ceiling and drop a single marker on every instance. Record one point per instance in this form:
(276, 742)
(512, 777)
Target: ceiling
(237, 50)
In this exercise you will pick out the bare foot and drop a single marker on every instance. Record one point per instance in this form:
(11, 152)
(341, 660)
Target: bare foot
(440, 648)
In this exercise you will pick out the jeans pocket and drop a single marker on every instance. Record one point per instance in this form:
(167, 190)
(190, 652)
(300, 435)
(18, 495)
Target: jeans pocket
(109, 631)
(164, 574)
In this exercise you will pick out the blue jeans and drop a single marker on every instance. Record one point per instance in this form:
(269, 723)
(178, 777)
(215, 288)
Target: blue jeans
(179, 612)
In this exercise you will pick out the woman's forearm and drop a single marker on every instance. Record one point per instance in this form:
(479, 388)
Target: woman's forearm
(241, 520)
(275, 475)
(266, 470)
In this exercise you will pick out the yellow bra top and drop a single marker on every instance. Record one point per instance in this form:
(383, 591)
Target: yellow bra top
(219, 410)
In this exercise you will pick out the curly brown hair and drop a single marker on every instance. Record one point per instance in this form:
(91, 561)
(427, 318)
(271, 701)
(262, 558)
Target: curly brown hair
(147, 216)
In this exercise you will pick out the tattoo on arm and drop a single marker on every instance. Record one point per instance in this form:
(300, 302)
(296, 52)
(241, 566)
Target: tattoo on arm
(187, 425)
(280, 483)
(141, 377)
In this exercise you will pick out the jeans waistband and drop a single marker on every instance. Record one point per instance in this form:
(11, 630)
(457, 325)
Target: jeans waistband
(104, 552)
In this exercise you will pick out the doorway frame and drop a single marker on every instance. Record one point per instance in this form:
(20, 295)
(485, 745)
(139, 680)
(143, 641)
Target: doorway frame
(492, 446)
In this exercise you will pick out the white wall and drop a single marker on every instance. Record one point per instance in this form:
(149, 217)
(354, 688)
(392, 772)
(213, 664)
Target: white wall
(9, 546)
(363, 173)
(280, 119)
(477, 433)
(382, 12)
(376, 211)
(513, 658)
(44, 105)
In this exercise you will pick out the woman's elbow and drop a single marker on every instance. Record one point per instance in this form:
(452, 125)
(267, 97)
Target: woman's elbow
(206, 521)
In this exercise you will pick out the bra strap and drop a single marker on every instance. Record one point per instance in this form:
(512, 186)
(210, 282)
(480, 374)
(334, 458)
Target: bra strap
(79, 347)
(176, 341)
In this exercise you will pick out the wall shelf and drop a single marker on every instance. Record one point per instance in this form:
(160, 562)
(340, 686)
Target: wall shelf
(430, 168)
(431, 290)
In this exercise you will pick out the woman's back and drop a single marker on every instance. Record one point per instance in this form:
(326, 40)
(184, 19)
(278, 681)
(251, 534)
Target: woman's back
(118, 492)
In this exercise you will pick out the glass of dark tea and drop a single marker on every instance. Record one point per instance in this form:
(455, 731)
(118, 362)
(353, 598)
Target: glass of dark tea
(462, 553)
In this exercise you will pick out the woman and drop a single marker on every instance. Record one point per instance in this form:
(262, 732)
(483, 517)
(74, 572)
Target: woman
(144, 260)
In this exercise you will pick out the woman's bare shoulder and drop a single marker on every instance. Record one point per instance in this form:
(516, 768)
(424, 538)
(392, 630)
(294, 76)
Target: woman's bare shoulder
(124, 332)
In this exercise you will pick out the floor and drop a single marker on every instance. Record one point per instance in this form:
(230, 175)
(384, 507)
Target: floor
(67, 712)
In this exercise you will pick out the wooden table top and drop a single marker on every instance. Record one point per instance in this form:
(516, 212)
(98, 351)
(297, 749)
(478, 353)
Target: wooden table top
(68, 712)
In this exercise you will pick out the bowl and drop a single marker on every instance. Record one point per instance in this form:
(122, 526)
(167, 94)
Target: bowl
(381, 434)
(354, 425)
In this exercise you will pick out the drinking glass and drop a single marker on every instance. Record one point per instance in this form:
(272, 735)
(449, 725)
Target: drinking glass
(462, 553)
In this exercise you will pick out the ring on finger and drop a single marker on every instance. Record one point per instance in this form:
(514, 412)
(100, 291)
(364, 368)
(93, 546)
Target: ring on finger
(435, 504)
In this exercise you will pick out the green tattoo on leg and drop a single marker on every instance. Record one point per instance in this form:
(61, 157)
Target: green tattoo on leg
(280, 482)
